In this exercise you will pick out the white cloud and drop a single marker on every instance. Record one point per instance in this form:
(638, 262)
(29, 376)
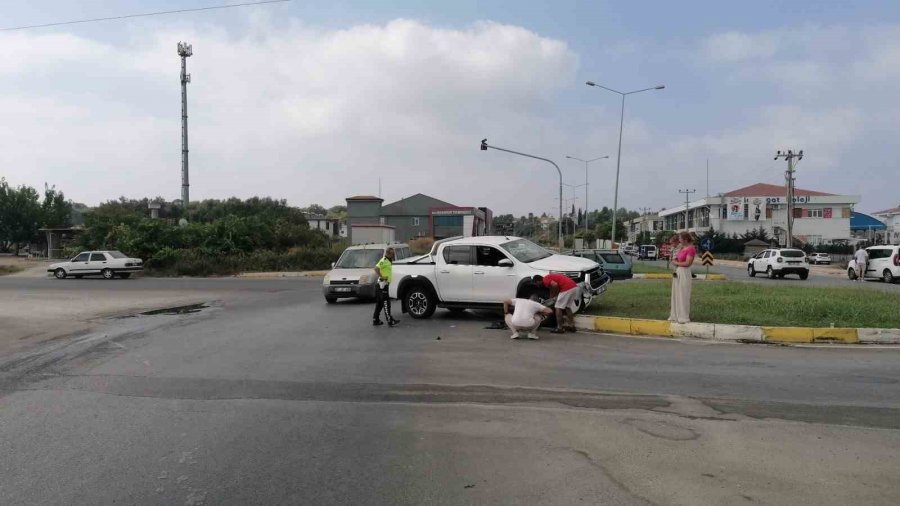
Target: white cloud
(306, 114)
(740, 47)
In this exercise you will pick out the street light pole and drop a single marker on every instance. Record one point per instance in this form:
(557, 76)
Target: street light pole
(485, 146)
(619, 156)
(586, 186)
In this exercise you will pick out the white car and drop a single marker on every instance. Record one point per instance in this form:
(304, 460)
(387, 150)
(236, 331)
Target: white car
(482, 272)
(353, 275)
(108, 264)
(884, 264)
(778, 263)
(820, 258)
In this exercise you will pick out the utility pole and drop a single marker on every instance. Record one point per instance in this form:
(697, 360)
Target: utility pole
(184, 51)
(789, 179)
(687, 202)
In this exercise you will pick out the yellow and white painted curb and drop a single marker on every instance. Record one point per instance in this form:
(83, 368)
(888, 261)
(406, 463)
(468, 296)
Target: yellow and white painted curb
(666, 275)
(724, 332)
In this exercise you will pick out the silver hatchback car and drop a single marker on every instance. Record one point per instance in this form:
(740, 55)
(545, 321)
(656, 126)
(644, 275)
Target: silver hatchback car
(353, 274)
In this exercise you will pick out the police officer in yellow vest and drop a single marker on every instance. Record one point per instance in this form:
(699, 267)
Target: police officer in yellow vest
(384, 271)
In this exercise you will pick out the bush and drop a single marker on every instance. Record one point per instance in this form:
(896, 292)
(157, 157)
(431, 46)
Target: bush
(421, 245)
(197, 262)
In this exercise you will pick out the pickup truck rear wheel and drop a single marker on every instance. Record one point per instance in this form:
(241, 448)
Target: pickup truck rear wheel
(420, 302)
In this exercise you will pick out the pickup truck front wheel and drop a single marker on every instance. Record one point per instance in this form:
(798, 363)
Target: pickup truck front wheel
(420, 302)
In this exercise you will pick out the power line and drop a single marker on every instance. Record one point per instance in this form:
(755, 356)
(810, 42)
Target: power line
(111, 18)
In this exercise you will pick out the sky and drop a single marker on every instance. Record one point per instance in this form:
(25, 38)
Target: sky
(317, 101)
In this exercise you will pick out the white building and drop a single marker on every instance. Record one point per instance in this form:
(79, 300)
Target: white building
(818, 217)
(331, 226)
(891, 218)
(652, 223)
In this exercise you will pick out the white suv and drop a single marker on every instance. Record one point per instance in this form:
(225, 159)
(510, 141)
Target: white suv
(820, 258)
(884, 264)
(778, 263)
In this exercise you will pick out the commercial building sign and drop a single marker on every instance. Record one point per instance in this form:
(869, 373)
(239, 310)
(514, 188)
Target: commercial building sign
(735, 208)
(803, 199)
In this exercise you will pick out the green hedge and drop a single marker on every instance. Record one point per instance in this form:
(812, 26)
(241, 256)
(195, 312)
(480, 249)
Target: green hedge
(197, 262)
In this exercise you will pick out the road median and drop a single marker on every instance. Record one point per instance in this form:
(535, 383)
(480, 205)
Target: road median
(737, 333)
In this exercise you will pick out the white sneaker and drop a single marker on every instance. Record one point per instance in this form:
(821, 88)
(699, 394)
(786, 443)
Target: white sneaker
(532, 335)
(514, 336)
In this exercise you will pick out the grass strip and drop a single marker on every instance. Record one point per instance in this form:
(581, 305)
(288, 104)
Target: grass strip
(10, 269)
(755, 304)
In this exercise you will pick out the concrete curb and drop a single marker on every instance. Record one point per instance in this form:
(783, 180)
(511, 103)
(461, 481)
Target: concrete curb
(665, 275)
(270, 275)
(741, 333)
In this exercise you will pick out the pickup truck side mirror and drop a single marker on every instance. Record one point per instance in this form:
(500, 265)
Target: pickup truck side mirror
(505, 263)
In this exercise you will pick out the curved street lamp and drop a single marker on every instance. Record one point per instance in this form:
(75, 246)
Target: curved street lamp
(485, 146)
(586, 162)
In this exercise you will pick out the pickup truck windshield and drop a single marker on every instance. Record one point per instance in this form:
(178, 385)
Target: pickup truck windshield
(359, 259)
(525, 251)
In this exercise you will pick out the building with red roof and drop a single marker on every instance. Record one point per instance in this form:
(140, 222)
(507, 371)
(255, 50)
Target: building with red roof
(819, 217)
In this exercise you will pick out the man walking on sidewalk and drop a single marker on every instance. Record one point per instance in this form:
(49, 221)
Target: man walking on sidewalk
(384, 271)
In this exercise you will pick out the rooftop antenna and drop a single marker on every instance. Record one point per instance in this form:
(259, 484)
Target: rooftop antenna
(184, 51)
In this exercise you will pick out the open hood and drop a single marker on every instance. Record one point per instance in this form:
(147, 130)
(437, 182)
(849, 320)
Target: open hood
(563, 263)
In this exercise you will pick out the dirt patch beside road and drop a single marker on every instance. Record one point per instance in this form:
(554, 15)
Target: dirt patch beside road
(31, 316)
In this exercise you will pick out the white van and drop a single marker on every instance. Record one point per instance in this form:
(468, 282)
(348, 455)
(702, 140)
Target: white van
(648, 252)
(353, 274)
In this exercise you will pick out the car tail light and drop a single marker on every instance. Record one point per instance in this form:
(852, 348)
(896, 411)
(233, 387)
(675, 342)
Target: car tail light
(896, 259)
(780, 260)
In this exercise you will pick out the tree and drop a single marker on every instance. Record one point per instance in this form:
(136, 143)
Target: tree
(20, 215)
(504, 224)
(56, 211)
(317, 210)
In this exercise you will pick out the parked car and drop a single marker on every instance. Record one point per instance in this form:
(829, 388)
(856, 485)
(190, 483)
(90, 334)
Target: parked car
(779, 262)
(884, 264)
(648, 252)
(629, 249)
(353, 275)
(108, 264)
(614, 263)
(482, 272)
(820, 258)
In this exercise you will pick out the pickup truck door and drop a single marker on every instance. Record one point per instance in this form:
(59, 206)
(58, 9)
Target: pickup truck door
(490, 282)
(454, 273)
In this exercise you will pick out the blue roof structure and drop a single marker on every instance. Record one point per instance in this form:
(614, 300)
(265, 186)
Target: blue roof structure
(860, 221)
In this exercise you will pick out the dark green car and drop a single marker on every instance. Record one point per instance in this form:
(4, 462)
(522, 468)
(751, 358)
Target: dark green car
(613, 262)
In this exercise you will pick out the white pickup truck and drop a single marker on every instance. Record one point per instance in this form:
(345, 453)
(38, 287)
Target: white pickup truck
(482, 272)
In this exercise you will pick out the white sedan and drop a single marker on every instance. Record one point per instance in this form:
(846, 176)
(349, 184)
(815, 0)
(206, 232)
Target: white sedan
(108, 264)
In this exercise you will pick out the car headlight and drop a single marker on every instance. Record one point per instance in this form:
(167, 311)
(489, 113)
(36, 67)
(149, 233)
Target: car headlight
(327, 279)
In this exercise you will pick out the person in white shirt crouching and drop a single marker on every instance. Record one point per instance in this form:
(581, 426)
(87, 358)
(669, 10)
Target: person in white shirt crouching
(526, 316)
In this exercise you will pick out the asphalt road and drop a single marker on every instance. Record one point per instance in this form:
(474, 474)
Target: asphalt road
(270, 396)
(815, 278)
